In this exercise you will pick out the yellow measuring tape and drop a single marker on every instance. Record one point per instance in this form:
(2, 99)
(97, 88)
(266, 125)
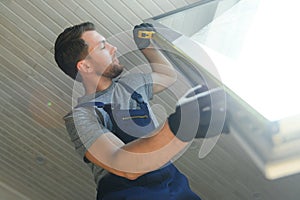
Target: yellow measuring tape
(146, 34)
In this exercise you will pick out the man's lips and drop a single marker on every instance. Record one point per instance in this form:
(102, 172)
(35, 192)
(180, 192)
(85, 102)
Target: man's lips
(115, 59)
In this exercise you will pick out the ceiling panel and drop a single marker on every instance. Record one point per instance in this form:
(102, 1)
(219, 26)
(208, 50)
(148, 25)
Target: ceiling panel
(37, 157)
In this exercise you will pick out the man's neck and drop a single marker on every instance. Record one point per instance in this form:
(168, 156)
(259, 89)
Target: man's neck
(98, 85)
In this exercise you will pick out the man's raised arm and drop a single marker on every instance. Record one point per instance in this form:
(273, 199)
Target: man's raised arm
(163, 73)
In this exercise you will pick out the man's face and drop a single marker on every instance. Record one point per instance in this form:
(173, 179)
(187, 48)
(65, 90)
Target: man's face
(102, 55)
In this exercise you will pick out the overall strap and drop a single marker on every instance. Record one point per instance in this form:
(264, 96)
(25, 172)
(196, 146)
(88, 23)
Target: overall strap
(120, 123)
(134, 95)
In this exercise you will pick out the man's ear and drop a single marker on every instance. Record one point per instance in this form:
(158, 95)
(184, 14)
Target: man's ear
(83, 66)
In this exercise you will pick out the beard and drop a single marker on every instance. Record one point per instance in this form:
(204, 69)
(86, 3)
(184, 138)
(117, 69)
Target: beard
(113, 70)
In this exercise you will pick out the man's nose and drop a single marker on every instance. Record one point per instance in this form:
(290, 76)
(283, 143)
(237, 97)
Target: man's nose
(112, 48)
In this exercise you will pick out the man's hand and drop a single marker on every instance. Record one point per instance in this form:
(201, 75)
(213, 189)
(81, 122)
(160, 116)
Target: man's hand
(196, 111)
(142, 34)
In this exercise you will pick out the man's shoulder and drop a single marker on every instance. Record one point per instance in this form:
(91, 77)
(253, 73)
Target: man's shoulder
(78, 112)
(136, 79)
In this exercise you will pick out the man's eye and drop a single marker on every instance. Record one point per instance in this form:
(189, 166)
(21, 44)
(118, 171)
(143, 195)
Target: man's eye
(102, 45)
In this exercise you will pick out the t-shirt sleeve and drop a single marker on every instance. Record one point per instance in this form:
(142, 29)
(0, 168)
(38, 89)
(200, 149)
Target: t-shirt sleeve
(84, 127)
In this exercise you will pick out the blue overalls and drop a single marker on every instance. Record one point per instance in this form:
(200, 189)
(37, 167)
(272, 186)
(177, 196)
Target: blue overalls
(166, 183)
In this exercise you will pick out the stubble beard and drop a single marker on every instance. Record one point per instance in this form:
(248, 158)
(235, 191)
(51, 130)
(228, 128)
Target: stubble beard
(113, 71)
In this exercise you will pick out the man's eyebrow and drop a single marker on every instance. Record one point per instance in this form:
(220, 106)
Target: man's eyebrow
(98, 44)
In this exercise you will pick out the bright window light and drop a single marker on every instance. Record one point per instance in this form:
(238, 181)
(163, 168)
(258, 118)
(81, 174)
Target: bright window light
(254, 46)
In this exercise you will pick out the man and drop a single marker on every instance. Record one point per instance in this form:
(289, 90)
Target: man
(125, 165)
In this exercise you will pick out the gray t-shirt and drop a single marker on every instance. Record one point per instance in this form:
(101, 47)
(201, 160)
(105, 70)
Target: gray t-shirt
(85, 126)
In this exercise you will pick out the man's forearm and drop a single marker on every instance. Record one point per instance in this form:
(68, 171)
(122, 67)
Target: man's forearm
(158, 62)
(163, 72)
(138, 157)
(148, 154)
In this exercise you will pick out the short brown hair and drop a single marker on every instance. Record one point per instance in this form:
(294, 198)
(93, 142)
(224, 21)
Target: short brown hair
(70, 48)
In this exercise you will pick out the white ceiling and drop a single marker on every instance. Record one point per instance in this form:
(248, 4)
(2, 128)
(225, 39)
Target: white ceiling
(37, 158)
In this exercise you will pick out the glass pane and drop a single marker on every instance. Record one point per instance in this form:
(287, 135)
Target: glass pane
(254, 56)
(254, 47)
